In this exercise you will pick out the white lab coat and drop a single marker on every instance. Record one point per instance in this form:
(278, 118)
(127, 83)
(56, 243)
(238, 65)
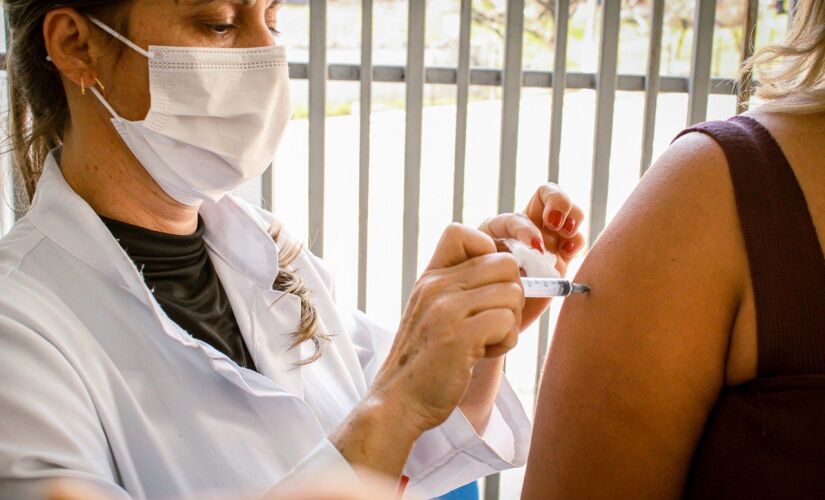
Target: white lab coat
(96, 382)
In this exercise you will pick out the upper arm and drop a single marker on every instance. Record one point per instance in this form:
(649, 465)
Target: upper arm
(636, 366)
(48, 423)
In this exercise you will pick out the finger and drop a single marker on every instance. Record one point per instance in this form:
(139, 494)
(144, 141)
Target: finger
(549, 198)
(496, 296)
(570, 247)
(573, 222)
(557, 206)
(514, 226)
(497, 329)
(458, 244)
(480, 271)
(494, 351)
(552, 241)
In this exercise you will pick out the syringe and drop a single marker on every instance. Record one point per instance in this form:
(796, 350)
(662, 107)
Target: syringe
(551, 287)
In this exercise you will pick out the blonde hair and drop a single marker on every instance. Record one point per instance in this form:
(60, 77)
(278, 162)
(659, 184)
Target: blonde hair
(288, 281)
(791, 76)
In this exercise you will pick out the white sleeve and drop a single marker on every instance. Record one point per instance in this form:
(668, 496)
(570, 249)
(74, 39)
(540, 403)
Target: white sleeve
(322, 461)
(48, 424)
(452, 454)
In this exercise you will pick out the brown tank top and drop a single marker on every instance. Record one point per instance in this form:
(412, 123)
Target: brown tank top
(766, 438)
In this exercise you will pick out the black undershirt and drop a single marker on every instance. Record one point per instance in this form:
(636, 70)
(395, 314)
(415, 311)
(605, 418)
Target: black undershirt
(178, 270)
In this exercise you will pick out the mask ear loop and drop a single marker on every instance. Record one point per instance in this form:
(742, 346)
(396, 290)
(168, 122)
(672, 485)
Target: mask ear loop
(132, 45)
(106, 105)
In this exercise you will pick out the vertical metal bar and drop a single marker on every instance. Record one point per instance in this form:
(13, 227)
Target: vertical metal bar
(559, 86)
(511, 94)
(317, 74)
(654, 59)
(462, 99)
(412, 146)
(556, 116)
(745, 83)
(605, 99)
(699, 85)
(492, 485)
(266, 190)
(364, 150)
(544, 344)
(510, 101)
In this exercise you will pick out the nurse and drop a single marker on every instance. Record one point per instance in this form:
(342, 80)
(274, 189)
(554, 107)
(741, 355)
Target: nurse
(159, 337)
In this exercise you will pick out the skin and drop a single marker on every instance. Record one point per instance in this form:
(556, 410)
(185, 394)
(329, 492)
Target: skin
(368, 486)
(439, 333)
(636, 366)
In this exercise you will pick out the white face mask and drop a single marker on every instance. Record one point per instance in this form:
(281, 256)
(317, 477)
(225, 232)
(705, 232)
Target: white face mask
(216, 117)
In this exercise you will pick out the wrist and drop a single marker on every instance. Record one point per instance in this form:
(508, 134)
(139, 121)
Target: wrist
(376, 437)
(392, 417)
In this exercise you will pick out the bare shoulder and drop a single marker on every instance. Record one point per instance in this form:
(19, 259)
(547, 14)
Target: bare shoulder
(636, 366)
(682, 216)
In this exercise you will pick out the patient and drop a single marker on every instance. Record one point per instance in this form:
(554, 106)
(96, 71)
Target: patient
(696, 367)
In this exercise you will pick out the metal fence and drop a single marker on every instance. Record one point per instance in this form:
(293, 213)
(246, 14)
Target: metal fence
(606, 82)
(511, 78)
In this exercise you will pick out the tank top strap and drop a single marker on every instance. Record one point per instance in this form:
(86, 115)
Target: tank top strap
(785, 256)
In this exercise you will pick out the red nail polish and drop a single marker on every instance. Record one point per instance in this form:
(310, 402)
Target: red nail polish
(538, 245)
(555, 219)
(569, 247)
(570, 225)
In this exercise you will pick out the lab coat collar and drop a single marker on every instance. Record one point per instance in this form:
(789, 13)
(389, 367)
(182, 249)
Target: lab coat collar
(67, 220)
(234, 231)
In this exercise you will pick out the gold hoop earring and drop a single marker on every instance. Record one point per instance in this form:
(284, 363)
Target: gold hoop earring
(100, 85)
(82, 86)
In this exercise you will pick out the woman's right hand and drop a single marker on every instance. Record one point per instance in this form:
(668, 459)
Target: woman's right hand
(466, 305)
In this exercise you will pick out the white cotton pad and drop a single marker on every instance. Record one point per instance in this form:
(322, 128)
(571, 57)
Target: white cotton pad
(534, 263)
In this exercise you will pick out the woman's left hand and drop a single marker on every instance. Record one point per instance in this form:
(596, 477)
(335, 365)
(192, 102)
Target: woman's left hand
(550, 223)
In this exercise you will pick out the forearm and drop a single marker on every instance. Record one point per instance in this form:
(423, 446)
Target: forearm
(376, 438)
(478, 401)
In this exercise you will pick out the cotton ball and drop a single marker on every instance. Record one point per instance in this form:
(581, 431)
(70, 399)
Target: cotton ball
(534, 263)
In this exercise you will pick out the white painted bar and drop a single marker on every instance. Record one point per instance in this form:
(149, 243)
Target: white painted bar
(412, 146)
(556, 115)
(700, 62)
(365, 106)
(559, 87)
(462, 99)
(317, 74)
(605, 99)
(654, 58)
(267, 194)
(511, 95)
(510, 102)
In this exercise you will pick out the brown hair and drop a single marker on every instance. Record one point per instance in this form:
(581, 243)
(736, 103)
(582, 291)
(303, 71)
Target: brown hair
(39, 113)
(792, 75)
(38, 110)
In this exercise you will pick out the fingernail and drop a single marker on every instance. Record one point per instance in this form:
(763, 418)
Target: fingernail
(537, 244)
(570, 225)
(555, 219)
(569, 247)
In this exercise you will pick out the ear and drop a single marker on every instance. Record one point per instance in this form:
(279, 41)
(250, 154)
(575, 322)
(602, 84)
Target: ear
(71, 45)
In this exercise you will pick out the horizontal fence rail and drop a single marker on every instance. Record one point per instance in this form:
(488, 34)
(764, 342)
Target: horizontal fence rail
(494, 78)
